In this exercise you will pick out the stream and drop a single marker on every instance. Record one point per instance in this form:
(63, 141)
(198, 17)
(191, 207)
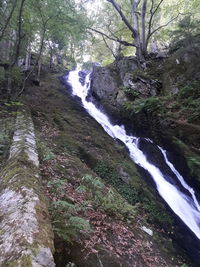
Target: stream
(179, 196)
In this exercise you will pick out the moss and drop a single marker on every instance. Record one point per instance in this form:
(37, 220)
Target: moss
(193, 159)
(25, 261)
(136, 192)
(19, 172)
(59, 123)
(141, 74)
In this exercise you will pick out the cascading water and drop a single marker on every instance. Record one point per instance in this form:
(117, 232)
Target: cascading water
(186, 207)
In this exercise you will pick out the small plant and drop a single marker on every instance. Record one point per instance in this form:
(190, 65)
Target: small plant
(67, 224)
(131, 93)
(44, 152)
(130, 194)
(194, 164)
(190, 91)
(110, 175)
(14, 104)
(189, 96)
(150, 105)
(57, 187)
(16, 76)
(108, 199)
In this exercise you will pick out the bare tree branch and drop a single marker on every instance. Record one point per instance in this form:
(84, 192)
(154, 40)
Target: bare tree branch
(8, 20)
(104, 39)
(156, 9)
(143, 22)
(20, 36)
(114, 34)
(152, 13)
(113, 39)
(118, 9)
(162, 26)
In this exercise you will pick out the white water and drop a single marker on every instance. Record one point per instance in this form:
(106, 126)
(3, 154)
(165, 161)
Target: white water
(180, 178)
(186, 207)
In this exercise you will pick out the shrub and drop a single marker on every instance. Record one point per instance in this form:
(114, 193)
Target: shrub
(65, 221)
(132, 195)
(16, 76)
(190, 91)
(108, 199)
(189, 96)
(44, 152)
(110, 175)
(148, 106)
(194, 164)
(131, 93)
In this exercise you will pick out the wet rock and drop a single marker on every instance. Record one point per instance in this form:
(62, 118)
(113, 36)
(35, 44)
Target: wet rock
(109, 83)
(141, 84)
(104, 83)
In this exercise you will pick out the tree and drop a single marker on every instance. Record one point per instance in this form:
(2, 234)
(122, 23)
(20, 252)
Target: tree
(139, 21)
(44, 29)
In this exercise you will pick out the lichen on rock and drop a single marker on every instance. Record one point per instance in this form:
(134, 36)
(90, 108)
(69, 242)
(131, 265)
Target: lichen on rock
(26, 237)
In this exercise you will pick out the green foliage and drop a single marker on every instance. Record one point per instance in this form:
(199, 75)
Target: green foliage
(71, 231)
(56, 185)
(81, 224)
(185, 34)
(6, 131)
(157, 212)
(4, 141)
(81, 189)
(16, 76)
(108, 199)
(131, 93)
(190, 91)
(14, 104)
(65, 214)
(131, 194)
(194, 164)
(189, 96)
(110, 175)
(44, 152)
(50, 27)
(150, 105)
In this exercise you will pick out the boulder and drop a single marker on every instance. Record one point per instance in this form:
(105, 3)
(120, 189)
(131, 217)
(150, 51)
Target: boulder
(108, 84)
(104, 83)
(126, 64)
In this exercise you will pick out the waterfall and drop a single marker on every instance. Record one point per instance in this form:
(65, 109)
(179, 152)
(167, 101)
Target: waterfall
(186, 207)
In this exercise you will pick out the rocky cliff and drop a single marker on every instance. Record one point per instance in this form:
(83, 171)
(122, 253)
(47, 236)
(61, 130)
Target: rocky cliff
(159, 100)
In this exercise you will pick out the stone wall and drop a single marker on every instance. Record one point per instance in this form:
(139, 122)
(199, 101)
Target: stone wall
(26, 237)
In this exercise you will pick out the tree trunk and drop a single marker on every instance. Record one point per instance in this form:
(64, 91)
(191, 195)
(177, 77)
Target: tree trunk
(143, 26)
(27, 60)
(4, 27)
(19, 37)
(139, 48)
(51, 58)
(39, 69)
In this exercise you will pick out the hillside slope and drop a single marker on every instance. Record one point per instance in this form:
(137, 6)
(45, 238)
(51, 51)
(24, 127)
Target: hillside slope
(100, 207)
